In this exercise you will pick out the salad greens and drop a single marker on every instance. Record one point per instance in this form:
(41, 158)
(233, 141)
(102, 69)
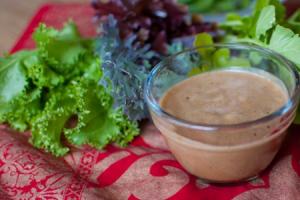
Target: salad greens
(265, 27)
(125, 68)
(126, 64)
(84, 91)
(215, 6)
(294, 21)
(54, 91)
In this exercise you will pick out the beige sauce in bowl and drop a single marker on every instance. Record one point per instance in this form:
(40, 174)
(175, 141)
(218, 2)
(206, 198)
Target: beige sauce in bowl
(225, 97)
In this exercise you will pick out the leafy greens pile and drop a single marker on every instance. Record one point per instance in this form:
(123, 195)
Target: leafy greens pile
(54, 91)
(81, 91)
(265, 27)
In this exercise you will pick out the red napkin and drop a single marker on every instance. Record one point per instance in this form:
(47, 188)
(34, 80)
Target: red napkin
(145, 170)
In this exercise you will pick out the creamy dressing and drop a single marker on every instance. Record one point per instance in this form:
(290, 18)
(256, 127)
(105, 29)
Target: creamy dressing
(224, 97)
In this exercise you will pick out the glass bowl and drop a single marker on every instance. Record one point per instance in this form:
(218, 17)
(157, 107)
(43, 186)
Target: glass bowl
(203, 149)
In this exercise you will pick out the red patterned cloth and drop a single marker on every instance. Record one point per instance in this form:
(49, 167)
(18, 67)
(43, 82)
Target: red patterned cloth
(145, 170)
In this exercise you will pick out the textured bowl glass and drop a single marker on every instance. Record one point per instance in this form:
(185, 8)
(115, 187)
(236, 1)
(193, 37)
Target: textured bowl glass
(200, 148)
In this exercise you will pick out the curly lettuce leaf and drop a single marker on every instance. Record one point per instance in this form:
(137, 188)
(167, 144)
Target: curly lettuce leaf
(47, 127)
(60, 49)
(12, 76)
(40, 74)
(95, 127)
(129, 129)
(20, 111)
(98, 123)
(44, 89)
(13, 96)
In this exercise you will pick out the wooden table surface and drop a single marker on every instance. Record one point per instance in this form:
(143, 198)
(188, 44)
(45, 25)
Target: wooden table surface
(14, 16)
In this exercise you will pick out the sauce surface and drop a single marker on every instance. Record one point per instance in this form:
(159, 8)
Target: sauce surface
(225, 97)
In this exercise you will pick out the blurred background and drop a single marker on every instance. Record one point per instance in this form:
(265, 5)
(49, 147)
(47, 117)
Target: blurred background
(15, 15)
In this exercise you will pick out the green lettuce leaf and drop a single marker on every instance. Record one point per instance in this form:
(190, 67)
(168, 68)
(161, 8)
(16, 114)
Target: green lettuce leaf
(287, 43)
(20, 111)
(54, 92)
(95, 126)
(12, 76)
(48, 125)
(294, 22)
(255, 26)
(265, 21)
(60, 49)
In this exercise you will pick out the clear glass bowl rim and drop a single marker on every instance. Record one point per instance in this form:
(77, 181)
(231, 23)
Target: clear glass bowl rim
(292, 101)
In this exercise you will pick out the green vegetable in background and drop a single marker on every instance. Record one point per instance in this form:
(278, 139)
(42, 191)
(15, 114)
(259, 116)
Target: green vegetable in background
(266, 27)
(294, 21)
(54, 92)
(215, 6)
(213, 58)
